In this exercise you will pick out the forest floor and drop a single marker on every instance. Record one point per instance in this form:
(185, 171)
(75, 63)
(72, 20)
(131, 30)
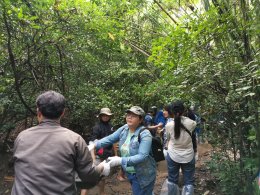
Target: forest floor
(205, 183)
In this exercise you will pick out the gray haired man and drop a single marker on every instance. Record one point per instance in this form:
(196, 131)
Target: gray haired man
(47, 156)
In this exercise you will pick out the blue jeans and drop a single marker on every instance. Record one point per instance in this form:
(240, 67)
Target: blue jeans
(188, 170)
(136, 188)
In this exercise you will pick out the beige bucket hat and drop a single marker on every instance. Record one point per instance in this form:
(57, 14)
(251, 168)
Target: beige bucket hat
(105, 111)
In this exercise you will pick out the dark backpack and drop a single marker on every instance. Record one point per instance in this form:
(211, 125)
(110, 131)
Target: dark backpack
(157, 147)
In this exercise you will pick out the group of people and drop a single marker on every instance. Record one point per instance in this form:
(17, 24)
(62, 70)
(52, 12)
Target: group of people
(47, 156)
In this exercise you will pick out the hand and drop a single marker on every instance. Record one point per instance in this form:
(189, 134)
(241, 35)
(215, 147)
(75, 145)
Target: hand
(106, 168)
(114, 161)
(91, 146)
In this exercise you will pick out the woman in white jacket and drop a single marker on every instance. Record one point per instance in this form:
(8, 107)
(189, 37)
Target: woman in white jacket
(180, 151)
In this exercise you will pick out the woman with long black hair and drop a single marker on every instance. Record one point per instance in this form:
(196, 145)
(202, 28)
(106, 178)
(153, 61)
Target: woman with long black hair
(180, 151)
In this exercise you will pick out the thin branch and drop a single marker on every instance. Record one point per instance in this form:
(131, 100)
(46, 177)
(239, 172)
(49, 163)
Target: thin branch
(31, 67)
(137, 48)
(61, 67)
(166, 12)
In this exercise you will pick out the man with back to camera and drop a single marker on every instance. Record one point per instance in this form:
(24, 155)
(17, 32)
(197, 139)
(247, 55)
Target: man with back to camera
(47, 156)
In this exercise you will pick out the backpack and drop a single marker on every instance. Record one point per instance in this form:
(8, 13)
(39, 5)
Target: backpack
(157, 147)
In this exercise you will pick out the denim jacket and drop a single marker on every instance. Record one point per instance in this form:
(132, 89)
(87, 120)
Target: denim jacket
(140, 158)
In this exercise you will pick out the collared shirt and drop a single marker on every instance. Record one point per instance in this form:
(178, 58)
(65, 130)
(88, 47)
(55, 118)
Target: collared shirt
(46, 158)
(140, 158)
(180, 150)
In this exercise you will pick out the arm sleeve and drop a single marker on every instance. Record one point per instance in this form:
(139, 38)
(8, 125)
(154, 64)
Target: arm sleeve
(109, 140)
(84, 164)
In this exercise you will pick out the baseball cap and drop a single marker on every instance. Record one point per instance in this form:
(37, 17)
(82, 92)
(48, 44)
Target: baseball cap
(136, 110)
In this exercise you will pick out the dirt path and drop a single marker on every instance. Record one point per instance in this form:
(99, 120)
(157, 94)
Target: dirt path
(205, 183)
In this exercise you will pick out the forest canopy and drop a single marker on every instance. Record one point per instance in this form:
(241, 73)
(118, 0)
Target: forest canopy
(120, 53)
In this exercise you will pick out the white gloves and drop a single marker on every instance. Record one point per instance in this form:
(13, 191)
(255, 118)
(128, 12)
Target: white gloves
(106, 168)
(114, 161)
(91, 146)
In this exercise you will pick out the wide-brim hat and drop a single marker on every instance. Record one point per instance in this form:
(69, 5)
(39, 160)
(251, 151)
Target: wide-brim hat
(136, 110)
(105, 111)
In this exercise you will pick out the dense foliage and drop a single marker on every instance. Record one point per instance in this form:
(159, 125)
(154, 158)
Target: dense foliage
(121, 53)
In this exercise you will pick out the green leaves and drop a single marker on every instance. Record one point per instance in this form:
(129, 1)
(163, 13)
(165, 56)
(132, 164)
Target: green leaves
(121, 53)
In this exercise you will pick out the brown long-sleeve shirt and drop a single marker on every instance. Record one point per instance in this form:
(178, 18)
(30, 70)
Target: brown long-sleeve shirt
(46, 158)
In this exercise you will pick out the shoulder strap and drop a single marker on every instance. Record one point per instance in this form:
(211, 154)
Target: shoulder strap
(187, 131)
(139, 136)
(193, 139)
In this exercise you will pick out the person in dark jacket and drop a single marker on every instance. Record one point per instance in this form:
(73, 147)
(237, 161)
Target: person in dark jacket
(102, 129)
